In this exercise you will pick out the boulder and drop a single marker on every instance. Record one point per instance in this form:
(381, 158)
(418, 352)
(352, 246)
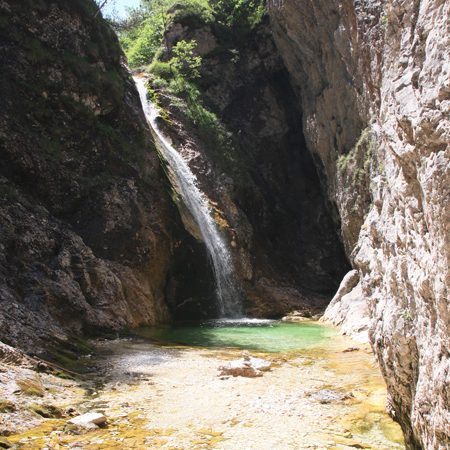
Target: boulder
(246, 367)
(89, 420)
(297, 316)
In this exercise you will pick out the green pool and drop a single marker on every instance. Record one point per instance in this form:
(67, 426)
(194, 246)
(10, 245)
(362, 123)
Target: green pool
(251, 334)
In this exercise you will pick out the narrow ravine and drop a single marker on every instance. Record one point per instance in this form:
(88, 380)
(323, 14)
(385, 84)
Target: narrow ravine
(185, 184)
(223, 224)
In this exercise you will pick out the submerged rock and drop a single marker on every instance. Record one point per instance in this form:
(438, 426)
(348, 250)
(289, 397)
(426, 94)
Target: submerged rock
(6, 406)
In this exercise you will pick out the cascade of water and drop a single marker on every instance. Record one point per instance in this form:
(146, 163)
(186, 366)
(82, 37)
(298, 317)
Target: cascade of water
(228, 296)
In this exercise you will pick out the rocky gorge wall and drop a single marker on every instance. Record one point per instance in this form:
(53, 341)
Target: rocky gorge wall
(263, 183)
(340, 113)
(89, 237)
(373, 81)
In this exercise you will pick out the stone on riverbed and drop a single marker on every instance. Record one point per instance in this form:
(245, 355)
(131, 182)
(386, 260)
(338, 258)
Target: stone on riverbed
(248, 366)
(88, 420)
(4, 443)
(329, 395)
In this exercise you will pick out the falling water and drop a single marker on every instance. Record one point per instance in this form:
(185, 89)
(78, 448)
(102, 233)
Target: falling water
(228, 295)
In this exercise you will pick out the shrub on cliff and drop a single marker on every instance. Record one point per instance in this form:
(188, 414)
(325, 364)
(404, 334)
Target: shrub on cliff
(240, 15)
(142, 32)
(185, 61)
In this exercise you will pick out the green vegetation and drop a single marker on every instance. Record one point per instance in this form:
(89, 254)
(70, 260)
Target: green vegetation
(358, 160)
(186, 63)
(161, 69)
(174, 65)
(210, 129)
(142, 32)
(240, 15)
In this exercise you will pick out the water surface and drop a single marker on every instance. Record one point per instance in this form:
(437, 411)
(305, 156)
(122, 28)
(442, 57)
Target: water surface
(251, 334)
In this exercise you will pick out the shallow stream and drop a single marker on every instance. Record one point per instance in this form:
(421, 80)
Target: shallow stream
(162, 389)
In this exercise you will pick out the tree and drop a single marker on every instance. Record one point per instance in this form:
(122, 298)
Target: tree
(101, 4)
(242, 15)
(185, 61)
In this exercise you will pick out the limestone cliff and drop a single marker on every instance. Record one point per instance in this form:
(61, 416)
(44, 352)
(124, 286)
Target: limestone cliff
(89, 238)
(373, 81)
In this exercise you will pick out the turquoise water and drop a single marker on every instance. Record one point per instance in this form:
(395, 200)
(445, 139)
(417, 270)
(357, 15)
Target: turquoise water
(251, 334)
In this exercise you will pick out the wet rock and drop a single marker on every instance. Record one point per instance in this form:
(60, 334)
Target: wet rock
(31, 386)
(71, 411)
(248, 87)
(79, 247)
(46, 411)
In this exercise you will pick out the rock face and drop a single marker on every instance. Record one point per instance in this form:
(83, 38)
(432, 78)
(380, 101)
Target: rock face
(349, 309)
(373, 81)
(265, 184)
(89, 238)
(404, 251)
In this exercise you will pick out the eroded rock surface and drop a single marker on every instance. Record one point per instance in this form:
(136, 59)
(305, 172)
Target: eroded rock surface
(348, 309)
(265, 188)
(89, 238)
(373, 81)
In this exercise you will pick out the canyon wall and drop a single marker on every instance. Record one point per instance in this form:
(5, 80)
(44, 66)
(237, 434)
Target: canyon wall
(89, 237)
(264, 184)
(339, 113)
(373, 81)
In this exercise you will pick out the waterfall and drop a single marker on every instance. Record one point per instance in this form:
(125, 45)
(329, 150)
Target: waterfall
(227, 293)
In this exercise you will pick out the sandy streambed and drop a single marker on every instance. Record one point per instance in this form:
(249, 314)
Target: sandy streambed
(173, 398)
